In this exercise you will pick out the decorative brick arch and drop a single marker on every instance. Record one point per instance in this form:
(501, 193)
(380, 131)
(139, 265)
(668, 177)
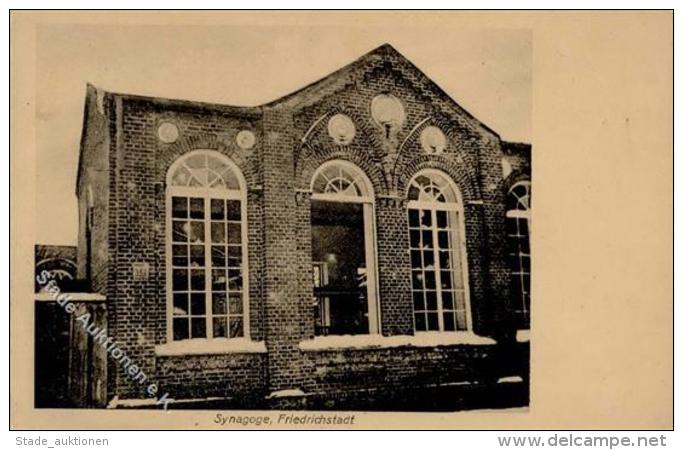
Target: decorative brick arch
(371, 169)
(365, 150)
(445, 163)
(167, 155)
(515, 177)
(316, 137)
(454, 160)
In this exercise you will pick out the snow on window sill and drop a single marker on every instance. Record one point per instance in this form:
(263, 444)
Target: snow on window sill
(379, 341)
(210, 347)
(286, 393)
(523, 335)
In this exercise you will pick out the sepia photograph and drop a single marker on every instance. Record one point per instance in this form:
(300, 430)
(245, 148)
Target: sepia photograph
(244, 216)
(361, 243)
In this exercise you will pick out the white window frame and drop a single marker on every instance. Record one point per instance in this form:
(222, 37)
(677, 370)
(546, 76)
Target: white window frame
(456, 210)
(526, 215)
(207, 193)
(367, 199)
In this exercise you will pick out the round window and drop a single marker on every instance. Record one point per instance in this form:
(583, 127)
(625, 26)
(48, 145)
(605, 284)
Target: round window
(387, 110)
(341, 129)
(433, 140)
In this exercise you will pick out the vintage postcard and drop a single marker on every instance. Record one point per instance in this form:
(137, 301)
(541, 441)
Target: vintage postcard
(309, 220)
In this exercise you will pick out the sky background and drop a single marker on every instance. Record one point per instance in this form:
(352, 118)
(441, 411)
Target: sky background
(487, 71)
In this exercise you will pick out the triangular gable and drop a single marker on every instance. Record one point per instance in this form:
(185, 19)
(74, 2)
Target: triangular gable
(383, 58)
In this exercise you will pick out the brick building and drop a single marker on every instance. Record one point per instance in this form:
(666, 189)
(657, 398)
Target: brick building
(363, 233)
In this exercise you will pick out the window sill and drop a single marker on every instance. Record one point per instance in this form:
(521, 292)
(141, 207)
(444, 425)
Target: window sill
(523, 335)
(210, 347)
(378, 341)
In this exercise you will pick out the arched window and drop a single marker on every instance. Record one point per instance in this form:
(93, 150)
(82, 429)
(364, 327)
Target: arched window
(206, 248)
(518, 229)
(343, 251)
(437, 254)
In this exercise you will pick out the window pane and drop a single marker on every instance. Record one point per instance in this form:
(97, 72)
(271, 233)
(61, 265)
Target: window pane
(180, 255)
(445, 260)
(179, 207)
(446, 279)
(430, 279)
(179, 279)
(235, 280)
(415, 259)
(218, 280)
(432, 321)
(197, 208)
(234, 256)
(198, 282)
(448, 321)
(425, 218)
(197, 232)
(180, 329)
(180, 304)
(180, 231)
(181, 177)
(427, 240)
(413, 193)
(217, 209)
(418, 280)
(198, 305)
(197, 255)
(234, 210)
(218, 232)
(236, 304)
(198, 327)
(234, 233)
(415, 238)
(431, 300)
(443, 240)
(441, 219)
(418, 301)
(428, 259)
(220, 327)
(219, 303)
(413, 218)
(218, 256)
(420, 322)
(236, 327)
(197, 161)
(447, 299)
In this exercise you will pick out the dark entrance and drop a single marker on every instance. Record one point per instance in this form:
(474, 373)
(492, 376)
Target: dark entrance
(339, 268)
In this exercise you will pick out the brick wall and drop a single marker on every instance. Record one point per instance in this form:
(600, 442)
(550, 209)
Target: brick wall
(141, 162)
(341, 371)
(241, 376)
(92, 190)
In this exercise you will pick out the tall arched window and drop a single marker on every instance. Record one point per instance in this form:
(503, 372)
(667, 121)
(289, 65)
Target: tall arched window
(206, 248)
(437, 254)
(343, 251)
(518, 229)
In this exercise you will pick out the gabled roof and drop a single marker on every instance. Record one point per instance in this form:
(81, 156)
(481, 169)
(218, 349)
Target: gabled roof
(369, 59)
